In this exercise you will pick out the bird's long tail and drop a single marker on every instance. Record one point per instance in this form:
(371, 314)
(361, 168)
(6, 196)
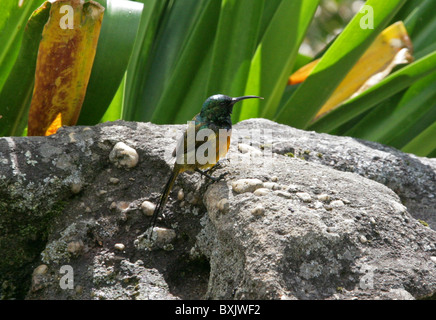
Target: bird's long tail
(163, 198)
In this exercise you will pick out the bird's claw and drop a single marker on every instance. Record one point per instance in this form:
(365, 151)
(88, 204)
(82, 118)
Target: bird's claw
(220, 177)
(218, 165)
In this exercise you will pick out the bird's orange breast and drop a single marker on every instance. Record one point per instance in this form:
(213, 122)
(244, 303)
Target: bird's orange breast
(222, 145)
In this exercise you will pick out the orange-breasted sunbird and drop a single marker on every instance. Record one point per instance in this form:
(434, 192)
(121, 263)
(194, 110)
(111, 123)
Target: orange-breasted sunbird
(192, 152)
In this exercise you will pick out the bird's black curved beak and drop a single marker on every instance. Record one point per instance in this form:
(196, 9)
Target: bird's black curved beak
(234, 100)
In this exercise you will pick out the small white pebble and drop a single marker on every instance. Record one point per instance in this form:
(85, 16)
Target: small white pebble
(246, 185)
(180, 195)
(101, 192)
(323, 197)
(261, 192)
(147, 208)
(120, 205)
(76, 187)
(119, 246)
(304, 196)
(398, 208)
(336, 203)
(363, 239)
(162, 236)
(41, 269)
(74, 247)
(114, 180)
(123, 156)
(245, 148)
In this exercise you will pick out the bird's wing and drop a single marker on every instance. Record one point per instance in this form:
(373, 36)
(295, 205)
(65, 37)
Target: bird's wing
(182, 142)
(198, 145)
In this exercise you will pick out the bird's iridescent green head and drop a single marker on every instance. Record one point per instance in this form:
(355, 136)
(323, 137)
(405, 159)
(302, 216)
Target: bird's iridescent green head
(219, 107)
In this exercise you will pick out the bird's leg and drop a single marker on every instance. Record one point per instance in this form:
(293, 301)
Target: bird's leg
(215, 179)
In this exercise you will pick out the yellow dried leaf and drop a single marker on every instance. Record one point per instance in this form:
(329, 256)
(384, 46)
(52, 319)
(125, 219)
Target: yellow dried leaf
(65, 58)
(392, 47)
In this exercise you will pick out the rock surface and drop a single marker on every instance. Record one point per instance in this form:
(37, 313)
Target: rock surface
(300, 215)
(412, 178)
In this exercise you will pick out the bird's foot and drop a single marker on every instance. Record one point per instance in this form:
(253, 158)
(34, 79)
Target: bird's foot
(218, 165)
(214, 179)
(220, 177)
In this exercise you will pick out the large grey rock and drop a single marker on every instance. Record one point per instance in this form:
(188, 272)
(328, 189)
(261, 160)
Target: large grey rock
(412, 178)
(360, 243)
(277, 227)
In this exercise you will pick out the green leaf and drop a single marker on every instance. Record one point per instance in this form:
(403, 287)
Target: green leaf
(180, 77)
(117, 37)
(115, 110)
(13, 18)
(140, 61)
(420, 23)
(268, 13)
(418, 125)
(366, 121)
(196, 93)
(416, 14)
(172, 43)
(234, 46)
(386, 125)
(335, 64)
(275, 57)
(424, 144)
(16, 93)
